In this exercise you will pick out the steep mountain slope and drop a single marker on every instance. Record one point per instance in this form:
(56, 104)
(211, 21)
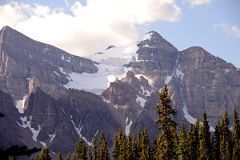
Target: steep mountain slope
(26, 64)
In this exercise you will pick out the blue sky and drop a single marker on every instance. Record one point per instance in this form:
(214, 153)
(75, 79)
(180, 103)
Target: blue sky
(211, 24)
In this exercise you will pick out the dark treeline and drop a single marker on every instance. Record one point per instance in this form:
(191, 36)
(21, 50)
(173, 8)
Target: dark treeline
(195, 143)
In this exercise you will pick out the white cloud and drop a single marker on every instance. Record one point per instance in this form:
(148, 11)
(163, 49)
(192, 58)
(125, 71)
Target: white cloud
(229, 30)
(199, 2)
(91, 27)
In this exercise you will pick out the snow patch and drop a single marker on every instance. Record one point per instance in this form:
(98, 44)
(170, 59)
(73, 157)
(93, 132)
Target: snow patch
(168, 79)
(28, 79)
(96, 82)
(147, 46)
(212, 129)
(63, 110)
(141, 101)
(20, 104)
(57, 74)
(179, 73)
(52, 136)
(150, 81)
(78, 129)
(27, 124)
(43, 144)
(145, 92)
(147, 36)
(128, 127)
(226, 70)
(45, 50)
(62, 57)
(188, 117)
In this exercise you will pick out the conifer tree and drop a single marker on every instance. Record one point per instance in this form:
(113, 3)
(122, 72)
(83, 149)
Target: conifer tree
(145, 146)
(80, 151)
(236, 136)
(90, 156)
(205, 140)
(116, 145)
(95, 148)
(129, 150)
(167, 141)
(44, 155)
(59, 157)
(216, 141)
(225, 144)
(193, 141)
(183, 145)
(68, 157)
(120, 146)
(103, 148)
(136, 146)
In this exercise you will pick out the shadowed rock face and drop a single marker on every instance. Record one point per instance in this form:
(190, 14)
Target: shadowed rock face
(57, 117)
(9, 129)
(60, 123)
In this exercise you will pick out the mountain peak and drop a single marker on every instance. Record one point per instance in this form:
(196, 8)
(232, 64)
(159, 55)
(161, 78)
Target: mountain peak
(7, 29)
(8, 34)
(153, 39)
(151, 35)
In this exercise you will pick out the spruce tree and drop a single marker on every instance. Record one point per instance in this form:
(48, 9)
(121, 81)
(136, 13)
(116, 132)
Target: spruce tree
(95, 148)
(225, 144)
(44, 155)
(216, 141)
(236, 136)
(205, 140)
(167, 141)
(145, 146)
(90, 156)
(59, 156)
(103, 148)
(136, 146)
(80, 152)
(193, 141)
(129, 150)
(116, 145)
(183, 145)
(120, 146)
(68, 157)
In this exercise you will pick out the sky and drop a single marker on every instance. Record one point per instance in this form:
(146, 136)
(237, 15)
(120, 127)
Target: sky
(83, 27)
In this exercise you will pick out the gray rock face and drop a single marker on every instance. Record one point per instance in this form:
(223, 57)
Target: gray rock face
(9, 129)
(60, 123)
(26, 64)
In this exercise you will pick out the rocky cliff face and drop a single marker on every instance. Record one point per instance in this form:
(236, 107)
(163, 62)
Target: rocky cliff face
(58, 124)
(26, 64)
(124, 82)
(9, 129)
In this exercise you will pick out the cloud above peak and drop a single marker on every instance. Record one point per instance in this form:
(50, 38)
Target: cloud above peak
(199, 2)
(229, 30)
(88, 28)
